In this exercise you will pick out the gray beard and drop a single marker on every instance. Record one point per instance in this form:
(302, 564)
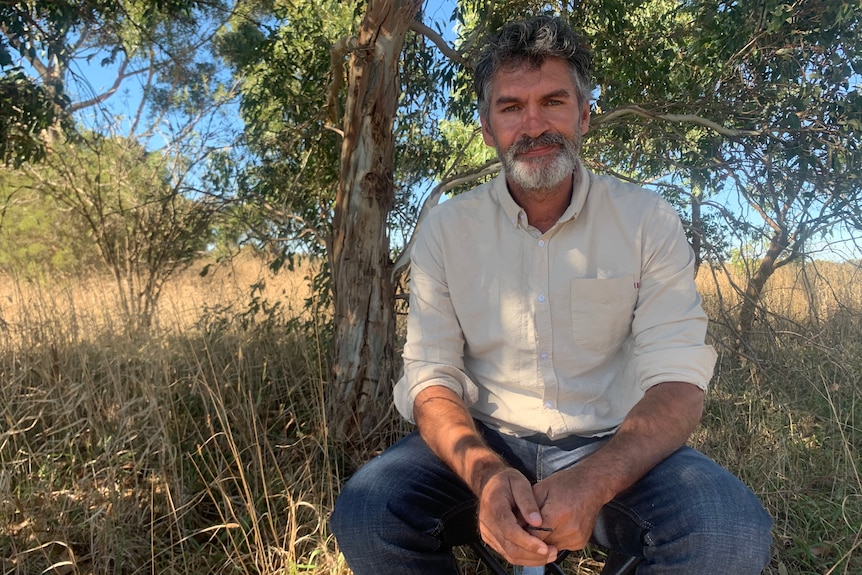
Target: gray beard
(540, 175)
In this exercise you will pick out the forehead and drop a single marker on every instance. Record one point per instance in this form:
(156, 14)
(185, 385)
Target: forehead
(525, 77)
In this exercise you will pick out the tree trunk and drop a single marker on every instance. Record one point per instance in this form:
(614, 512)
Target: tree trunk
(754, 290)
(363, 294)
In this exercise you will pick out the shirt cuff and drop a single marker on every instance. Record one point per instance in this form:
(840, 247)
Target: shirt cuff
(692, 365)
(418, 378)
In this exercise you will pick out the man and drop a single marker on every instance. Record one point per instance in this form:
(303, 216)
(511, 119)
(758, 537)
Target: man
(555, 362)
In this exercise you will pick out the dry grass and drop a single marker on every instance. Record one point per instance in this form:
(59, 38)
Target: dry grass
(789, 419)
(200, 447)
(196, 448)
(79, 307)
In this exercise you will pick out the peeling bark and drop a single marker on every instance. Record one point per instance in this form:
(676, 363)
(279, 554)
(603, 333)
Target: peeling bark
(363, 293)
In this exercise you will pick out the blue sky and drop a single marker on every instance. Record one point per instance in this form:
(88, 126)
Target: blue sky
(439, 9)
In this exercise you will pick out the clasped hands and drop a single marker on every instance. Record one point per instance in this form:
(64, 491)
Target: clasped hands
(563, 507)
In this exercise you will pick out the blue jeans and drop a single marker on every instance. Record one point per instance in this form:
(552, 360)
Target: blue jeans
(405, 510)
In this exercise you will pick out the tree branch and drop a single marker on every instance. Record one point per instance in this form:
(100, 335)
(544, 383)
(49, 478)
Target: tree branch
(679, 118)
(145, 96)
(337, 54)
(441, 44)
(121, 75)
(307, 227)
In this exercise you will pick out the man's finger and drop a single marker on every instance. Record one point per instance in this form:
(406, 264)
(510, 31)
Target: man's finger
(526, 504)
(507, 503)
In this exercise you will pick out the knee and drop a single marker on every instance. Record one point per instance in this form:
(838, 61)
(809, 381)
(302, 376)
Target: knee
(741, 548)
(712, 518)
(725, 524)
(354, 508)
(727, 508)
(742, 542)
(738, 540)
(342, 514)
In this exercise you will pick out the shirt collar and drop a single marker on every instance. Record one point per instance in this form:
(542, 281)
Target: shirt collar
(513, 210)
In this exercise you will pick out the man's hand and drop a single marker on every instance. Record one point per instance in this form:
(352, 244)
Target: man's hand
(569, 505)
(507, 508)
(506, 502)
(659, 424)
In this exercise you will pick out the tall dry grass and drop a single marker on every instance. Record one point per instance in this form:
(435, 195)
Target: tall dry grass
(197, 447)
(788, 418)
(201, 447)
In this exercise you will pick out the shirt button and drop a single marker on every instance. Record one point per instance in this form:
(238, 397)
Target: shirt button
(541, 243)
(541, 299)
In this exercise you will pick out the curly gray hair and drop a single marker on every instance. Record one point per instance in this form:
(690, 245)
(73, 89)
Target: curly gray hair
(529, 43)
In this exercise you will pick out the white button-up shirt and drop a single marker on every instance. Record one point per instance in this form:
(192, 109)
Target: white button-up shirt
(559, 332)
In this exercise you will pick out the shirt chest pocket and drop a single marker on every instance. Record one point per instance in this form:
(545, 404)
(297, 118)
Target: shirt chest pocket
(602, 311)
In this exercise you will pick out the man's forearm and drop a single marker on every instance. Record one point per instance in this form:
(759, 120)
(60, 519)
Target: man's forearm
(659, 424)
(447, 427)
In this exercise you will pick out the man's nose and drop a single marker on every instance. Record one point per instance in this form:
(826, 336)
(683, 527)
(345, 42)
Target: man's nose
(533, 122)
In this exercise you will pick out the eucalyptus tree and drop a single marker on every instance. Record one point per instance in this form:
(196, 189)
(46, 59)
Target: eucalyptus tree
(751, 108)
(745, 114)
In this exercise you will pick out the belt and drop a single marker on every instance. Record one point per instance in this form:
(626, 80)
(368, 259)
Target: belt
(567, 443)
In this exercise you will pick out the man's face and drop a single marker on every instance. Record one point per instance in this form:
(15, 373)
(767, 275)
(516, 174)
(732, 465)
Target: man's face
(536, 123)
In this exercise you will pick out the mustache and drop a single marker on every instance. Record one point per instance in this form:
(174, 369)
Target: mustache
(527, 143)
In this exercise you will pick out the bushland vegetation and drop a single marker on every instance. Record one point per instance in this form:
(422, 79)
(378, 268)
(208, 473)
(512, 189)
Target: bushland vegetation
(159, 420)
(200, 444)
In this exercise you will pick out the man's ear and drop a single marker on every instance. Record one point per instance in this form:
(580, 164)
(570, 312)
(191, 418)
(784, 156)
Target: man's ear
(585, 119)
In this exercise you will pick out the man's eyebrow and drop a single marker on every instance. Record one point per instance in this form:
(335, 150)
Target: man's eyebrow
(561, 93)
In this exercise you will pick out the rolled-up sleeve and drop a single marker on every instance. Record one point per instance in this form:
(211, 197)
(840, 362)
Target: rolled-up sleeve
(434, 350)
(669, 324)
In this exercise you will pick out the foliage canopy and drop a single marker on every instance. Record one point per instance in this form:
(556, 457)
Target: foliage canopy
(38, 41)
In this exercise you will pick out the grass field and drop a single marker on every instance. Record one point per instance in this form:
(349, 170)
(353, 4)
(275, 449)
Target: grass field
(200, 445)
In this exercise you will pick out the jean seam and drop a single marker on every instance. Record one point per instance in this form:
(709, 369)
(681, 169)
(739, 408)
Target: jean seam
(540, 463)
(633, 515)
